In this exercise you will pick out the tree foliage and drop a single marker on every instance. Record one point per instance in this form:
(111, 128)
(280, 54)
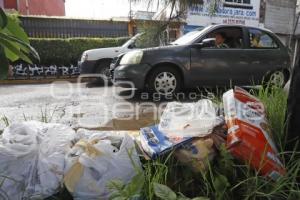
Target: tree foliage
(171, 10)
(14, 43)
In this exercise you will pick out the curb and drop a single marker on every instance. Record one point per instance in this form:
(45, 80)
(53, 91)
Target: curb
(35, 81)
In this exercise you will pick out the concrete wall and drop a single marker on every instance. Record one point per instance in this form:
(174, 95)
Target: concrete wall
(42, 7)
(279, 15)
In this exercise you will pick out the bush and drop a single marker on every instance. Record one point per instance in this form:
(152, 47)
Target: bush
(57, 51)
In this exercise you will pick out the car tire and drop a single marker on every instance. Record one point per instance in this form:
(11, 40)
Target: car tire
(102, 68)
(164, 80)
(277, 78)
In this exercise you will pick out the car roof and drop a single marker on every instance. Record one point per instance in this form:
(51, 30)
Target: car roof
(238, 25)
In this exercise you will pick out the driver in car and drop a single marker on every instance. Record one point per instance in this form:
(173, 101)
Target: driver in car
(220, 40)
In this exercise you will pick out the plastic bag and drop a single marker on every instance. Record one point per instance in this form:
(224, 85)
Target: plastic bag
(189, 119)
(249, 136)
(98, 159)
(32, 159)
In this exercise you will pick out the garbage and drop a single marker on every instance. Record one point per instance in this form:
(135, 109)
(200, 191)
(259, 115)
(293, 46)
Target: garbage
(189, 119)
(32, 159)
(156, 143)
(249, 136)
(97, 159)
(196, 154)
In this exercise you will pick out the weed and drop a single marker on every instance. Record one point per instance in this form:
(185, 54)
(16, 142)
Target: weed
(5, 120)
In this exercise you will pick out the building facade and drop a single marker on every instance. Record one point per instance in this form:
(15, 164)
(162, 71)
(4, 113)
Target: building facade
(2, 3)
(280, 16)
(36, 7)
(245, 12)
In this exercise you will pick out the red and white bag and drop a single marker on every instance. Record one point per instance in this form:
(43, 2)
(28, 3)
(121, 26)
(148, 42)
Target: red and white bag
(249, 136)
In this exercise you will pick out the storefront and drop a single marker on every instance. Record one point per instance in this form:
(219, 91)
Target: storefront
(244, 12)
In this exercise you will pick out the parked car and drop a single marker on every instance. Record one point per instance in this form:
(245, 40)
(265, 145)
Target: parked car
(114, 64)
(247, 56)
(97, 61)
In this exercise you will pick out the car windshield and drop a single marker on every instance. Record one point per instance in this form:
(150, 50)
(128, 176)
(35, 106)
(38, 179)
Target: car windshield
(189, 37)
(128, 42)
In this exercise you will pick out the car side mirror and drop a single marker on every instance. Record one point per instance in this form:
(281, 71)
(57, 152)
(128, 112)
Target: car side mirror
(131, 46)
(208, 42)
(197, 45)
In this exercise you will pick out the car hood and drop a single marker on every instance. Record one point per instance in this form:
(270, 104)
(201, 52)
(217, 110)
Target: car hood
(161, 48)
(163, 51)
(96, 53)
(102, 50)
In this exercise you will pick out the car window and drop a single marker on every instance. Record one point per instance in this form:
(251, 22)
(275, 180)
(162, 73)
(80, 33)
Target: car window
(190, 37)
(260, 39)
(227, 37)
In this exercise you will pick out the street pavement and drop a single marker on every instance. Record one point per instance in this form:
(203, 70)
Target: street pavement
(75, 104)
(63, 102)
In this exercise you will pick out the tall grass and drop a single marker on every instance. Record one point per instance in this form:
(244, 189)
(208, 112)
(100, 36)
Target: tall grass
(275, 101)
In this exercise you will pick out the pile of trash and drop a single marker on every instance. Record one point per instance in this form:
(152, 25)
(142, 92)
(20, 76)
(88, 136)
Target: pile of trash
(32, 159)
(37, 160)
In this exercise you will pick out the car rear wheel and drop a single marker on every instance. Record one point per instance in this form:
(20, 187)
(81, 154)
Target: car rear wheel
(164, 81)
(277, 78)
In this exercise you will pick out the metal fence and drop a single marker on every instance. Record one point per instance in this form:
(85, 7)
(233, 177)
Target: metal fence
(40, 27)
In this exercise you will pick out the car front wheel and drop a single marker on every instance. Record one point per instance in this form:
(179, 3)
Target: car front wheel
(164, 81)
(102, 69)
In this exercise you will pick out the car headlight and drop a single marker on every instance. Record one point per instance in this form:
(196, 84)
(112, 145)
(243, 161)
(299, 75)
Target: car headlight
(132, 57)
(84, 57)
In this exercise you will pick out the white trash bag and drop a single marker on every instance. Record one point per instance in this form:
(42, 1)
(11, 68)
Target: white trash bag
(32, 159)
(98, 159)
(189, 119)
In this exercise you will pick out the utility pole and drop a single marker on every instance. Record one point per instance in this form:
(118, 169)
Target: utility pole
(130, 11)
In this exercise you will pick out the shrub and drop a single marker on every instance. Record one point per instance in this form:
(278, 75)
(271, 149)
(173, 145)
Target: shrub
(57, 51)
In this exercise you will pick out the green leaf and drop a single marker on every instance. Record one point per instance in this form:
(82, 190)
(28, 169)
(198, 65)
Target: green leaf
(22, 45)
(13, 28)
(200, 198)
(136, 185)
(115, 185)
(3, 19)
(220, 184)
(13, 52)
(116, 196)
(3, 64)
(164, 192)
